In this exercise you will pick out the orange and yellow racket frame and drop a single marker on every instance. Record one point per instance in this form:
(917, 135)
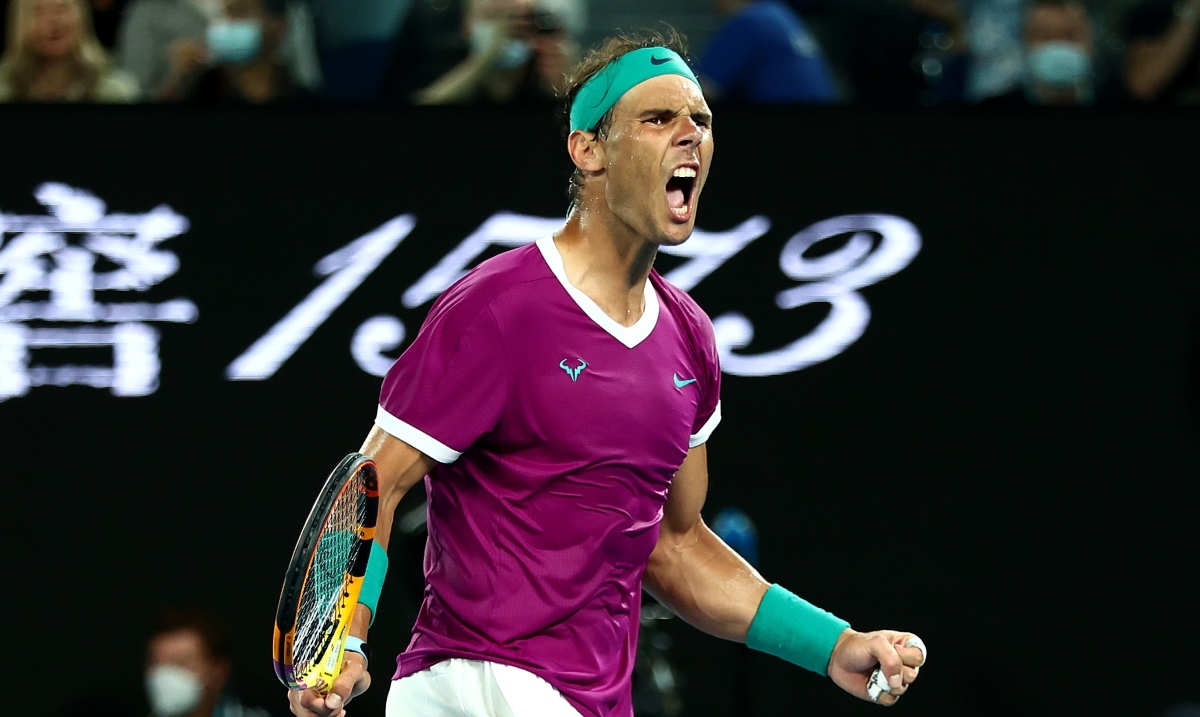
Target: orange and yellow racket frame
(355, 472)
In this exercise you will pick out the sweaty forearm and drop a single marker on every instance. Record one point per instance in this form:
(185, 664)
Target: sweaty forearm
(702, 580)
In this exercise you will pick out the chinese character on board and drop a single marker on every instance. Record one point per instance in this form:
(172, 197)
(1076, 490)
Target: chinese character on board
(71, 280)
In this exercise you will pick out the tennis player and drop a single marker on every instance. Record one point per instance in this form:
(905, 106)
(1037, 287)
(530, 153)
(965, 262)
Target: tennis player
(557, 402)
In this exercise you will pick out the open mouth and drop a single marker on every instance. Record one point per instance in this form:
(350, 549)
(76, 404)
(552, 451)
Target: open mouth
(680, 192)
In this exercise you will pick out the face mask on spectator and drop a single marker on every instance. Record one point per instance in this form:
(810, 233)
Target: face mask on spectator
(1060, 65)
(172, 690)
(234, 41)
(515, 52)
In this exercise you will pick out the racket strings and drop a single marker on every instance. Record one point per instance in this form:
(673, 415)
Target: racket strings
(337, 549)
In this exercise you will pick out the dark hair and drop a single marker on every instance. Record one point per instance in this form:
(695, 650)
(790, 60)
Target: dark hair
(596, 60)
(276, 8)
(212, 629)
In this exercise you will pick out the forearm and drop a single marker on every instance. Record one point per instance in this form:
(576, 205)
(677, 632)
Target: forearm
(457, 85)
(702, 580)
(398, 467)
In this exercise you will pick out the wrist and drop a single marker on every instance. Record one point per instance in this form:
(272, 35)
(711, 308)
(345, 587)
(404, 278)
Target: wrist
(837, 646)
(795, 630)
(359, 646)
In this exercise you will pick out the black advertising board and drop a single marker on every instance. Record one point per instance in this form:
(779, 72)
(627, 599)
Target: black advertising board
(960, 390)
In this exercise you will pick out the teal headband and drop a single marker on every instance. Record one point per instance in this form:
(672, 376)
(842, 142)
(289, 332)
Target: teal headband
(600, 93)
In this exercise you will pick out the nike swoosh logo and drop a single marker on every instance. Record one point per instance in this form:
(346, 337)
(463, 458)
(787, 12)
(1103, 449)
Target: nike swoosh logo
(681, 382)
(659, 60)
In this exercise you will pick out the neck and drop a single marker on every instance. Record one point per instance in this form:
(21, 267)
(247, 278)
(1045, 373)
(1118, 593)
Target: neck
(606, 260)
(54, 78)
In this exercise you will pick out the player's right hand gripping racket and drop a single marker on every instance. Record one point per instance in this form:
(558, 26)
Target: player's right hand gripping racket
(325, 576)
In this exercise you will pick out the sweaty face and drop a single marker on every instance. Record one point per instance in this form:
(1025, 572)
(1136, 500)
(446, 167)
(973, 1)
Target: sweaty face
(657, 156)
(54, 30)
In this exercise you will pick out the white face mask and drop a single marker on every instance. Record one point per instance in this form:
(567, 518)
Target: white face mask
(172, 690)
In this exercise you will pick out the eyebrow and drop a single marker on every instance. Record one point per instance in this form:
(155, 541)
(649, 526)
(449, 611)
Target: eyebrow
(701, 115)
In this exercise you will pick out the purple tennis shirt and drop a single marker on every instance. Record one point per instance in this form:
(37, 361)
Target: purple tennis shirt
(557, 432)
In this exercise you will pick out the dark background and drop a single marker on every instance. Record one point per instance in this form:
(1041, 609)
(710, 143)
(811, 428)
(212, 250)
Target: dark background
(1006, 463)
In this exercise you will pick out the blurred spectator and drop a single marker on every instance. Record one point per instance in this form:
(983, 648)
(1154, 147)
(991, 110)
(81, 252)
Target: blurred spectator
(1162, 53)
(520, 50)
(240, 62)
(764, 53)
(894, 52)
(355, 38)
(53, 56)
(993, 34)
(188, 667)
(430, 43)
(158, 36)
(1060, 53)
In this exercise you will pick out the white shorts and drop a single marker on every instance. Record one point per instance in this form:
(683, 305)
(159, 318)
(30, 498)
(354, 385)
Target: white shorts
(475, 688)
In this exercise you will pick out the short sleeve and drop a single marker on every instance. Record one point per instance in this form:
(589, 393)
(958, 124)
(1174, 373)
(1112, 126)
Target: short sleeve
(449, 387)
(708, 410)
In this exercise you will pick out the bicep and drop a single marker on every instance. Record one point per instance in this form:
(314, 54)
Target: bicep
(689, 489)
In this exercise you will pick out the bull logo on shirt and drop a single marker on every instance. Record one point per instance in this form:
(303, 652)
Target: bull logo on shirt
(573, 372)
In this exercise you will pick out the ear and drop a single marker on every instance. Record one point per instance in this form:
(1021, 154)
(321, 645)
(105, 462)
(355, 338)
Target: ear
(586, 150)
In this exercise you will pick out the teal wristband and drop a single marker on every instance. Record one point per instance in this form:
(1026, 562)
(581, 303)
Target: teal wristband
(377, 565)
(791, 628)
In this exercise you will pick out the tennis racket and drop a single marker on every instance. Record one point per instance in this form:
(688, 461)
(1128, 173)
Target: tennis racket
(325, 576)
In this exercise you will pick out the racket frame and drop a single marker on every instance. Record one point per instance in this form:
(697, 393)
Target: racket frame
(327, 664)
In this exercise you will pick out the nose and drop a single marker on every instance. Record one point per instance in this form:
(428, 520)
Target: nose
(690, 133)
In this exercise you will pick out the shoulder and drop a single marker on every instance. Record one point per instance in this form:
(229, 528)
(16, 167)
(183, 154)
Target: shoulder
(495, 284)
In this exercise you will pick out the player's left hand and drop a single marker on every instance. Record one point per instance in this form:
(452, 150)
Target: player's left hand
(857, 654)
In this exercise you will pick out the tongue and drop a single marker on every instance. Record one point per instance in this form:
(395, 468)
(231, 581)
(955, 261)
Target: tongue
(675, 197)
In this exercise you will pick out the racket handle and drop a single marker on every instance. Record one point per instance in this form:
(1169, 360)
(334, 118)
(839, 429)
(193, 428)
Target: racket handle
(877, 684)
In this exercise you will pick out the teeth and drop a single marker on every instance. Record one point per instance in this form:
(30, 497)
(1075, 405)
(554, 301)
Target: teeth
(684, 172)
(682, 211)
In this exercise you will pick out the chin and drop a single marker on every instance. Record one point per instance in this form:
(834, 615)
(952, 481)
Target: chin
(676, 234)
